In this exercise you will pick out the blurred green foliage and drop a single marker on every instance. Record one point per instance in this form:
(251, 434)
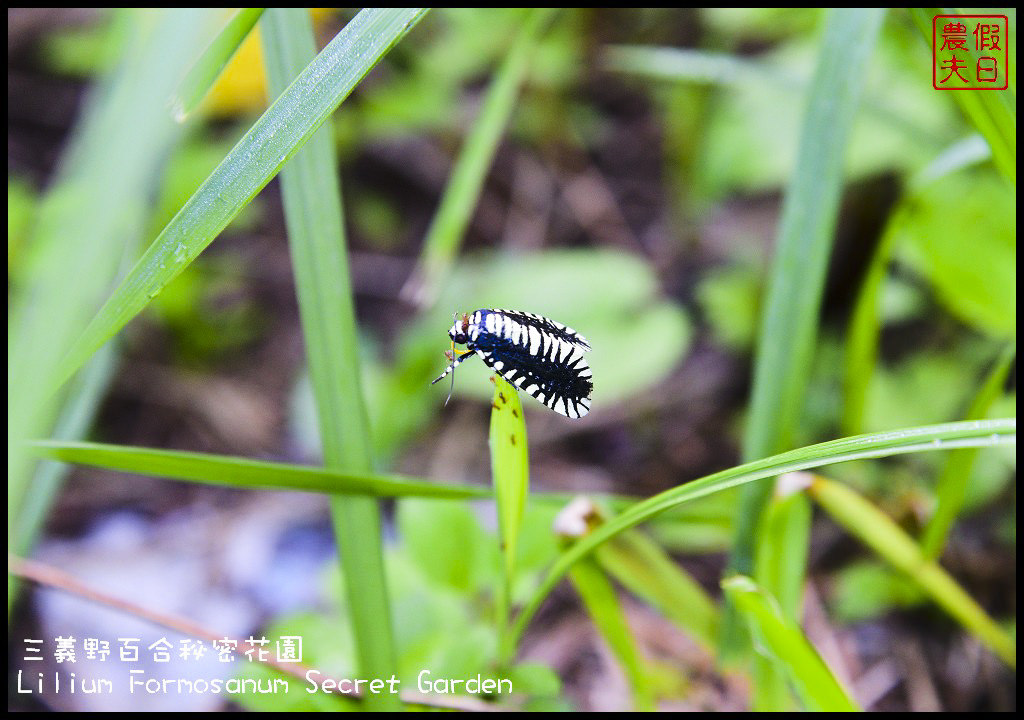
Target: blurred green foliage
(946, 302)
(442, 578)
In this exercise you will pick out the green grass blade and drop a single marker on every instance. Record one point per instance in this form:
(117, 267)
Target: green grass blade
(780, 638)
(87, 225)
(212, 62)
(864, 329)
(510, 470)
(312, 202)
(789, 323)
(644, 568)
(602, 605)
(780, 566)
(874, 528)
(952, 486)
(249, 166)
(979, 433)
(862, 337)
(460, 196)
(243, 473)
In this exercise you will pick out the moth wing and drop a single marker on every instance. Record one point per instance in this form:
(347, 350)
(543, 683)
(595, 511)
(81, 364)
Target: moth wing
(562, 404)
(543, 324)
(567, 333)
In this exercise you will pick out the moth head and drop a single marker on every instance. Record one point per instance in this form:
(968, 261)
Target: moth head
(460, 330)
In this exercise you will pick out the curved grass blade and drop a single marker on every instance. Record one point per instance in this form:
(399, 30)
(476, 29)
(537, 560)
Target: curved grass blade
(778, 636)
(242, 473)
(876, 530)
(875, 445)
(463, 190)
(313, 215)
(214, 59)
(256, 158)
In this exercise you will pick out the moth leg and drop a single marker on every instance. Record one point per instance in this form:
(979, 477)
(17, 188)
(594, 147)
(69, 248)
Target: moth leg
(451, 367)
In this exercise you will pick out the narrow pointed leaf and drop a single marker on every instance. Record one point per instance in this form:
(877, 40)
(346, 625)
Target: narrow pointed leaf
(467, 179)
(313, 214)
(225, 471)
(255, 159)
(876, 530)
(209, 66)
(951, 490)
(781, 639)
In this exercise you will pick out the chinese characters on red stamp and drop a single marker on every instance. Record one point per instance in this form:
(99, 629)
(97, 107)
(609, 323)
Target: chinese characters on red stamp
(970, 52)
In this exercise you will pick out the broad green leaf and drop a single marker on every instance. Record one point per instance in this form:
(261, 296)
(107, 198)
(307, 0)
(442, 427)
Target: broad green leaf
(448, 545)
(252, 163)
(864, 590)
(779, 637)
(960, 233)
(875, 445)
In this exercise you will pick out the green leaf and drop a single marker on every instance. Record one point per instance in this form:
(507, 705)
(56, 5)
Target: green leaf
(781, 639)
(895, 442)
(510, 470)
(463, 190)
(780, 567)
(876, 530)
(643, 567)
(447, 544)
(224, 471)
(256, 158)
(951, 491)
(789, 323)
(602, 605)
(213, 60)
(312, 203)
(84, 228)
(510, 466)
(865, 590)
(960, 232)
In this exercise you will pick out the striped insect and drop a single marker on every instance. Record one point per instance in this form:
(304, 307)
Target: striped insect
(538, 355)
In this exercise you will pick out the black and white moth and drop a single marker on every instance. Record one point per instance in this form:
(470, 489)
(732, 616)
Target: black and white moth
(538, 355)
